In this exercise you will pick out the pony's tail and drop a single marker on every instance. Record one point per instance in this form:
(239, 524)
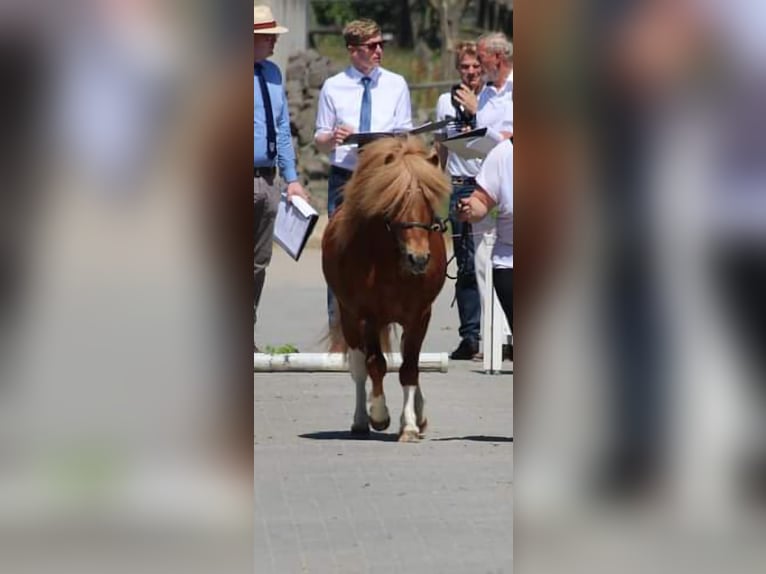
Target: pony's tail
(333, 337)
(337, 343)
(384, 337)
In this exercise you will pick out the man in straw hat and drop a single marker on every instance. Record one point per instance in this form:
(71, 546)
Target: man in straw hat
(272, 145)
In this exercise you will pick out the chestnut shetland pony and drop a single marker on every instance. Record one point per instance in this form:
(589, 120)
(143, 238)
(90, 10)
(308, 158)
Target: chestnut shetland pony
(384, 257)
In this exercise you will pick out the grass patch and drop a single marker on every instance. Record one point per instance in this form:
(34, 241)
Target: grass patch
(281, 350)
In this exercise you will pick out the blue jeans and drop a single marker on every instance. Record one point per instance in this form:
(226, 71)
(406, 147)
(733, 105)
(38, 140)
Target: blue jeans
(338, 179)
(466, 288)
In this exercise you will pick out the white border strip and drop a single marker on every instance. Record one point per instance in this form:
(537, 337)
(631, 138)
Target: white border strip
(336, 362)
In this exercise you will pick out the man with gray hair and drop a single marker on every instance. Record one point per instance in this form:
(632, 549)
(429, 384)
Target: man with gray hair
(493, 108)
(494, 105)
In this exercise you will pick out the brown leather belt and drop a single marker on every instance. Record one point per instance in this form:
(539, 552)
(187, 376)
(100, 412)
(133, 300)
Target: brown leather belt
(462, 180)
(267, 172)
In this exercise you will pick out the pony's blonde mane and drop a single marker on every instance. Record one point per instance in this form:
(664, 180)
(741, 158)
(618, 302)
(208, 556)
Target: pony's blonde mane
(393, 175)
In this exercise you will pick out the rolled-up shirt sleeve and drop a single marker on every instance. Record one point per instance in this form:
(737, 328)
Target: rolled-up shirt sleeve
(285, 150)
(403, 113)
(325, 122)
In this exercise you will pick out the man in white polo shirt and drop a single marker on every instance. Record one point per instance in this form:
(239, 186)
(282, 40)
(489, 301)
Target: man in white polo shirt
(362, 98)
(494, 187)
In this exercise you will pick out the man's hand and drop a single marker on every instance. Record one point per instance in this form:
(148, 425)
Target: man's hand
(475, 207)
(340, 133)
(464, 210)
(327, 141)
(295, 188)
(467, 99)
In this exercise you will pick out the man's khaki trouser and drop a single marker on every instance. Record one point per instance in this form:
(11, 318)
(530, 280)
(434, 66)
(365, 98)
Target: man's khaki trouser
(265, 202)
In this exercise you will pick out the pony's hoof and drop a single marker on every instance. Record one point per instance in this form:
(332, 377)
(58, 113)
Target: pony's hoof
(409, 436)
(380, 426)
(360, 430)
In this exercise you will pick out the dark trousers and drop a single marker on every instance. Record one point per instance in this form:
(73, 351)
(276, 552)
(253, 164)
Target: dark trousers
(265, 203)
(503, 281)
(338, 179)
(740, 278)
(466, 288)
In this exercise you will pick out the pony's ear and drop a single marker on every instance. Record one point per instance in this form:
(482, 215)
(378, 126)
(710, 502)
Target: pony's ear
(433, 157)
(390, 157)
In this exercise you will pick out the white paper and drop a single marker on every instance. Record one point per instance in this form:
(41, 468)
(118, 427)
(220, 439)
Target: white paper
(294, 224)
(471, 145)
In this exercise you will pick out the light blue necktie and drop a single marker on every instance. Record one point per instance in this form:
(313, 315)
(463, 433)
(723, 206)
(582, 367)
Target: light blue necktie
(365, 115)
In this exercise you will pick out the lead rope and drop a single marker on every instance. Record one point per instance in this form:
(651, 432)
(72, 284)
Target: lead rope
(465, 237)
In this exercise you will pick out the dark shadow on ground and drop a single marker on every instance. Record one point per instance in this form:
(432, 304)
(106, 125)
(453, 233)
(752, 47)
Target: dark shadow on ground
(501, 372)
(346, 435)
(477, 438)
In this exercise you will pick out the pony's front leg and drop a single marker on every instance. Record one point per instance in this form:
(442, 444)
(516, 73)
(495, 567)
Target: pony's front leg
(413, 420)
(358, 368)
(420, 410)
(409, 430)
(376, 366)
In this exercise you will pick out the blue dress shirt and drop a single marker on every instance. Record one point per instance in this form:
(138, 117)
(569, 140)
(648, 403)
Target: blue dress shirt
(285, 152)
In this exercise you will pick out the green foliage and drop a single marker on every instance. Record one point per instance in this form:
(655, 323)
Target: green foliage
(281, 350)
(335, 13)
(340, 12)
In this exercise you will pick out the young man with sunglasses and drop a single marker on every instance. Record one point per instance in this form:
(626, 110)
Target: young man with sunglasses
(362, 98)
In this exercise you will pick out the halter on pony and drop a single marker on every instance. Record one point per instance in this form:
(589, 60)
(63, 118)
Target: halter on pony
(437, 224)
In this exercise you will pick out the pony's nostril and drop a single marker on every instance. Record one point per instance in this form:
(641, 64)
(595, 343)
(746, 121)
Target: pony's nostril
(418, 262)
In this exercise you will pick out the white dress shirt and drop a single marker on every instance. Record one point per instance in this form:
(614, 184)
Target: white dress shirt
(496, 109)
(456, 165)
(496, 178)
(340, 102)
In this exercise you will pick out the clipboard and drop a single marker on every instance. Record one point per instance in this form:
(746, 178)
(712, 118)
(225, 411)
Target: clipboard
(432, 126)
(362, 138)
(294, 224)
(474, 144)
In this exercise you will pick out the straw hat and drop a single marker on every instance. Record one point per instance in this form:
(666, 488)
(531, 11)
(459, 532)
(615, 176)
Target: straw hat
(264, 23)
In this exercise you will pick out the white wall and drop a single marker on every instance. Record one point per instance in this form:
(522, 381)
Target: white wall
(293, 14)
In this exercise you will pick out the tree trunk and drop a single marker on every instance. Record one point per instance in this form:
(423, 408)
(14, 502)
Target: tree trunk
(406, 36)
(482, 13)
(450, 12)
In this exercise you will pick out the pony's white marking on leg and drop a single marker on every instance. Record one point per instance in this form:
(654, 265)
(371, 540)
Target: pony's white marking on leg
(357, 366)
(420, 408)
(408, 424)
(378, 409)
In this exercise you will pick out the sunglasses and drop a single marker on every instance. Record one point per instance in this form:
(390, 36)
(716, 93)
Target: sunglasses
(373, 45)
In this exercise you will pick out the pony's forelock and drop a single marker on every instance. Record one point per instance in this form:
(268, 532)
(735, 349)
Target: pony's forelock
(393, 174)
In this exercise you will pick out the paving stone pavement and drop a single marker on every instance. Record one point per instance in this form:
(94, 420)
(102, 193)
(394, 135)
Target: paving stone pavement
(328, 503)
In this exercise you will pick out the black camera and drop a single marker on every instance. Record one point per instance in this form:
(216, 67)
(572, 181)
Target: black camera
(461, 114)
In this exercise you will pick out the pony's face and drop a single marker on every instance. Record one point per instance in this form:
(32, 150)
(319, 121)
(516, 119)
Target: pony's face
(412, 231)
(414, 225)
